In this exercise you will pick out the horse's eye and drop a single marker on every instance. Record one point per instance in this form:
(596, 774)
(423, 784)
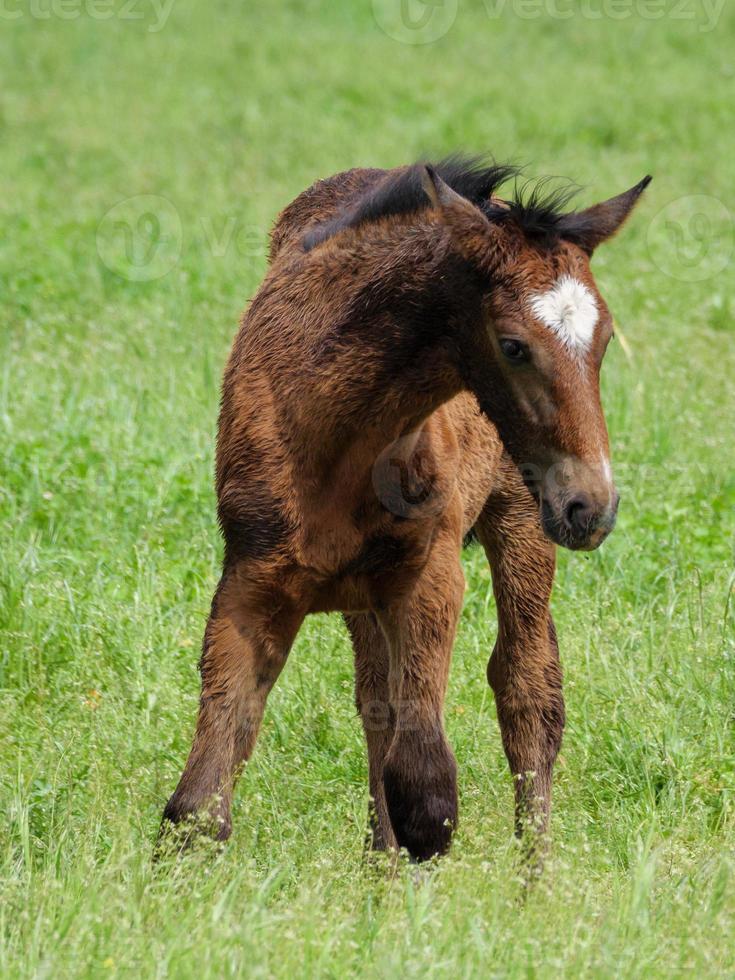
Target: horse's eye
(513, 350)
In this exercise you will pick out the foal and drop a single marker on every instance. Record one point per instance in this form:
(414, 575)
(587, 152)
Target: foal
(421, 360)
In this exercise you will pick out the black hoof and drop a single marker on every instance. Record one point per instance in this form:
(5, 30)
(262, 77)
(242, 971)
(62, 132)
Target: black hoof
(183, 822)
(422, 803)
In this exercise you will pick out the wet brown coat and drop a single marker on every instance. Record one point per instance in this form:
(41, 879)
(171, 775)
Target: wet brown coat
(355, 451)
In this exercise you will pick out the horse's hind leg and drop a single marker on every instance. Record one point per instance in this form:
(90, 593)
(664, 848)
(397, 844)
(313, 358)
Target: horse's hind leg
(372, 663)
(524, 669)
(245, 647)
(420, 773)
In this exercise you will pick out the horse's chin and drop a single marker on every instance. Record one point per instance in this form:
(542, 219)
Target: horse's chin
(566, 541)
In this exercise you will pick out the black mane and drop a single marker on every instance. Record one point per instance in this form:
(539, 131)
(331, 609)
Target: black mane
(541, 210)
(538, 209)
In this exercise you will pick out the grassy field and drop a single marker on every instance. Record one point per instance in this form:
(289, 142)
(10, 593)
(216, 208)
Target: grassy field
(144, 152)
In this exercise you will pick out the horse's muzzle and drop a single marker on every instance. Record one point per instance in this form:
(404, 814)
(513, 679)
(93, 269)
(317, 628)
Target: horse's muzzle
(577, 522)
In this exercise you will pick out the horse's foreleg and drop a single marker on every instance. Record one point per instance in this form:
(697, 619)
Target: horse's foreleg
(420, 773)
(243, 653)
(524, 670)
(376, 712)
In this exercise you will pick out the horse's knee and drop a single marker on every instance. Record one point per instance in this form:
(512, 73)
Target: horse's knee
(532, 657)
(495, 670)
(420, 785)
(530, 707)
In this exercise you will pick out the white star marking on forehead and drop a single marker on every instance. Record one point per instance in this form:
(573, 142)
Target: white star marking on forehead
(570, 310)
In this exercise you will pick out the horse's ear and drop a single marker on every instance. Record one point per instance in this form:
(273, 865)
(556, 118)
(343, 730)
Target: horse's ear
(472, 234)
(591, 227)
(444, 199)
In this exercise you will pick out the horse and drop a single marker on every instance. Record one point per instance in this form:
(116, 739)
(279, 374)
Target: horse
(420, 363)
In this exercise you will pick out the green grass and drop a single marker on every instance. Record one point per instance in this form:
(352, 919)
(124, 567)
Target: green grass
(109, 548)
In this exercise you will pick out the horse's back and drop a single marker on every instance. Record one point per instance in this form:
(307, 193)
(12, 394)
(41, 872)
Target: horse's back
(318, 203)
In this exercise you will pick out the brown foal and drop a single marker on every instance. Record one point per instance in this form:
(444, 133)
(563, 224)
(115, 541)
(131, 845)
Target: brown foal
(421, 360)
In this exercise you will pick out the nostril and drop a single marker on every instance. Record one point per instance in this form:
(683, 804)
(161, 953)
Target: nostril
(578, 514)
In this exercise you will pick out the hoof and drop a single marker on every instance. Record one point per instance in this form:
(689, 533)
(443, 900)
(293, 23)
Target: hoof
(184, 822)
(422, 803)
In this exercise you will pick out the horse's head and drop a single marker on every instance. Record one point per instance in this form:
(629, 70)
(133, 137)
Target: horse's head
(534, 360)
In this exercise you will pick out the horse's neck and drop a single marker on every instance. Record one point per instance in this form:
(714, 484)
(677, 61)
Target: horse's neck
(351, 423)
(379, 345)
